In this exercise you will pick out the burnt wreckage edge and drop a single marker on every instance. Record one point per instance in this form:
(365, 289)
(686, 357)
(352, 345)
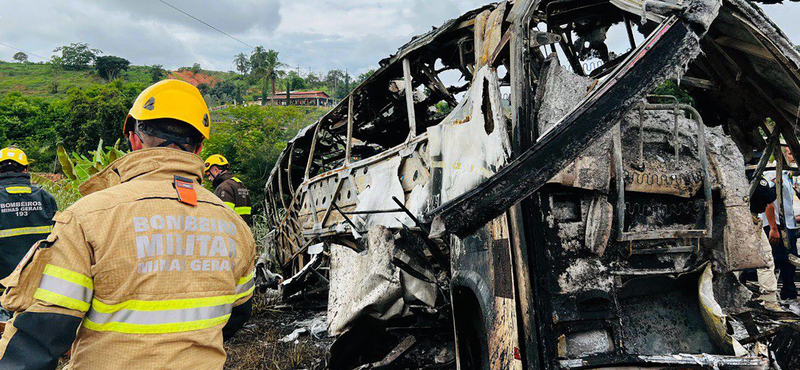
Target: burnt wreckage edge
(525, 175)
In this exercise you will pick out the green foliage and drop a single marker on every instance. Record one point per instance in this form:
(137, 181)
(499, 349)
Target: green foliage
(80, 120)
(242, 63)
(62, 190)
(265, 67)
(96, 113)
(251, 138)
(28, 123)
(224, 92)
(110, 67)
(671, 88)
(157, 72)
(295, 82)
(78, 167)
(77, 55)
(21, 57)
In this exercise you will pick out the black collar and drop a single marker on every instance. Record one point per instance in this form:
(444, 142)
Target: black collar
(225, 176)
(16, 178)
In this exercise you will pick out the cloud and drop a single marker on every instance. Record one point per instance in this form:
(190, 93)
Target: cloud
(316, 35)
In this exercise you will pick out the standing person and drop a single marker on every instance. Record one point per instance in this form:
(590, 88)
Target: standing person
(763, 196)
(227, 187)
(774, 223)
(26, 211)
(148, 270)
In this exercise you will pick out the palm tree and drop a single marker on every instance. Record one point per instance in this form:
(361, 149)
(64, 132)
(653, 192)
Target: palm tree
(266, 65)
(242, 63)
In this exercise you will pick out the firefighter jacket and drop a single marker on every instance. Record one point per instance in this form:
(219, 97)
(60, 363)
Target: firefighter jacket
(234, 194)
(148, 282)
(26, 216)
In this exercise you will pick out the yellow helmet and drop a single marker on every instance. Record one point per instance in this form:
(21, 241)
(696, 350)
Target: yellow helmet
(171, 99)
(14, 155)
(215, 160)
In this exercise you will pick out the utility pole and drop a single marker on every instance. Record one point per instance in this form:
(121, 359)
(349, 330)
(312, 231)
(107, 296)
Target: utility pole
(346, 81)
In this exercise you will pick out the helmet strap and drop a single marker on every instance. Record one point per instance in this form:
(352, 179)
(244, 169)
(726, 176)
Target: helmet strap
(169, 139)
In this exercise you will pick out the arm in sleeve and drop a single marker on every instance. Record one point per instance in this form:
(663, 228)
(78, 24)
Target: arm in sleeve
(227, 194)
(53, 205)
(239, 316)
(245, 284)
(51, 299)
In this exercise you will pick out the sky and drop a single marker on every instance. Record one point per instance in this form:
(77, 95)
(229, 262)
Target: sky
(312, 35)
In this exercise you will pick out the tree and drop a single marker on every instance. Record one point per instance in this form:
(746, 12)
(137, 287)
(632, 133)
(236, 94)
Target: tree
(266, 67)
(196, 68)
(77, 55)
(203, 88)
(313, 81)
(95, 113)
(56, 66)
(157, 72)
(296, 81)
(336, 81)
(109, 67)
(242, 63)
(362, 77)
(21, 57)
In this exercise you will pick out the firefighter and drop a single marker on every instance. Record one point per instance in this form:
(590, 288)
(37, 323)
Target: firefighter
(26, 211)
(148, 270)
(227, 187)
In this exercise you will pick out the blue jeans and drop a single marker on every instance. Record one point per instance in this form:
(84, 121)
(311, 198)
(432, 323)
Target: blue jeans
(781, 256)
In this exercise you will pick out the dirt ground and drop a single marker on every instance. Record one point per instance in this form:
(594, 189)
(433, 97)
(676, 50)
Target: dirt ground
(258, 347)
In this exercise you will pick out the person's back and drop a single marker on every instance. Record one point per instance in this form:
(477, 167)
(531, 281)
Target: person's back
(149, 268)
(26, 211)
(228, 187)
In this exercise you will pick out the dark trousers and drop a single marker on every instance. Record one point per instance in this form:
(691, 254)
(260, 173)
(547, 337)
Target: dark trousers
(781, 256)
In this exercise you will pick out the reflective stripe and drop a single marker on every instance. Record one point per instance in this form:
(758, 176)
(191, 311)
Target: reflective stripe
(229, 204)
(236, 179)
(122, 327)
(18, 190)
(70, 276)
(134, 317)
(242, 210)
(157, 317)
(65, 288)
(244, 286)
(7, 233)
(60, 300)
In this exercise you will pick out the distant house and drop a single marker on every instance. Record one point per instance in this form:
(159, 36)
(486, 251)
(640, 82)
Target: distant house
(305, 98)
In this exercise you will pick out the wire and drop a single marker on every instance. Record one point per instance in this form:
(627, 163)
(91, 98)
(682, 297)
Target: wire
(201, 21)
(26, 52)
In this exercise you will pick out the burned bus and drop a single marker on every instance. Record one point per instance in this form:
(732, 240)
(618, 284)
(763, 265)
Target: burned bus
(562, 182)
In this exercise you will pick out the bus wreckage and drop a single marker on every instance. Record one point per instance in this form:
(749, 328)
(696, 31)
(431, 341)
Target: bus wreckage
(514, 175)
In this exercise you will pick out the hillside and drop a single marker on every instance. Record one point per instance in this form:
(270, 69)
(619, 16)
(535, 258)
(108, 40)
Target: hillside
(32, 79)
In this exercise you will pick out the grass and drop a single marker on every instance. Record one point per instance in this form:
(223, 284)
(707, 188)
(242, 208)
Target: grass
(36, 79)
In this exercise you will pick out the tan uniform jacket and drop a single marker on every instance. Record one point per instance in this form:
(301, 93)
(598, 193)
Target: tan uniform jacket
(153, 279)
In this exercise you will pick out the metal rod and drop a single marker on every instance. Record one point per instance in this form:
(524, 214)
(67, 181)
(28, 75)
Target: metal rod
(432, 248)
(312, 151)
(641, 137)
(349, 143)
(408, 81)
(346, 218)
(676, 136)
(764, 160)
(630, 32)
(617, 139)
(701, 143)
(374, 212)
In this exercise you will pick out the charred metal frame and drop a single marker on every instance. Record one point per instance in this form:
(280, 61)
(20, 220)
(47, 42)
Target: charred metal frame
(618, 167)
